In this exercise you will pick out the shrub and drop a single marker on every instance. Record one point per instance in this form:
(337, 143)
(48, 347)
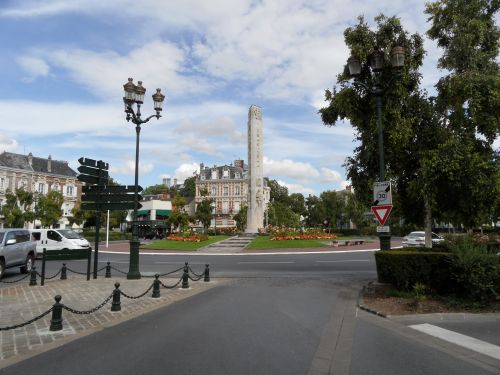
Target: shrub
(404, 269)
(187, 237)
(284, 233)
(474, 273)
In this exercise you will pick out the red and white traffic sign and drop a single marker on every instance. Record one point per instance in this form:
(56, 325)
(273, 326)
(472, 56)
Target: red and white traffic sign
(382, 212)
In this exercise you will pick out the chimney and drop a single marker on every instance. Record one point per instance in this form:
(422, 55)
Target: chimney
(30, 159)
(238, 163)
(49, 164)
(168, 182)
(175, 182)
(201, 167)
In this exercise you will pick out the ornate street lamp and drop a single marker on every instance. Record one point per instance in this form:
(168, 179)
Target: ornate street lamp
(133, 99)
(377, 64)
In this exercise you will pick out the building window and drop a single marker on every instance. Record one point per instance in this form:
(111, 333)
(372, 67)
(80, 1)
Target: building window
(236, 207)
(225, 173)
(236, 190)
(214, 190)
(226, 190)
(202, 176)
(214, 174)
(237, 175)
(69, 191)
(225, 207)
(41, 188)
(2, 183)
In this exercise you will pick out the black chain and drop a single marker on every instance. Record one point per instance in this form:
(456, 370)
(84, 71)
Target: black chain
(116, 269)
(88, 311)
(79, 273)
(164, 274)
(197, 275)
(101, 269)
(196, 279)
(28, 322)
(170, 287)
(53, 277)
(14, 281)
(139, 296)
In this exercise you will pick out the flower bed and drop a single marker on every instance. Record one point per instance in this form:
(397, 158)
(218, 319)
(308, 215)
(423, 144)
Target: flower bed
(188, 237)
(284, 234)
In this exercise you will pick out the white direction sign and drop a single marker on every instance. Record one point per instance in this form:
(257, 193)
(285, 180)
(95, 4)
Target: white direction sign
(382, 193)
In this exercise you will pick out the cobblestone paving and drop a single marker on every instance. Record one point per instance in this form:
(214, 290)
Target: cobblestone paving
(20, 303)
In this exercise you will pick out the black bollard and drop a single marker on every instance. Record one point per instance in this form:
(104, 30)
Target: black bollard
(207, 274)
(116, 305)
(108, 270)
(33, 276)
(156, 287)
(56, 321)
(64, 272)
(185, 277)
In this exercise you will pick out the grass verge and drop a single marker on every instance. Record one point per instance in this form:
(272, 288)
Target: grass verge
(263, 242)
(181, 245)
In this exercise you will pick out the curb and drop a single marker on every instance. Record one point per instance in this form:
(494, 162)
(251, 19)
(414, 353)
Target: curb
(361, 305)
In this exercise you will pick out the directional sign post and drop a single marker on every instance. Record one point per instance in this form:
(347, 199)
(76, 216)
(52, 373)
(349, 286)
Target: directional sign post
(94, 172)
(382, 206)
(382, 213)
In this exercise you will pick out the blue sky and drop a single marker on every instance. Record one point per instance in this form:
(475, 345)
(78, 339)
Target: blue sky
(64, 63)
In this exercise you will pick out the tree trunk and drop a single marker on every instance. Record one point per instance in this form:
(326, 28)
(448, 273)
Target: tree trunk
(428, 223)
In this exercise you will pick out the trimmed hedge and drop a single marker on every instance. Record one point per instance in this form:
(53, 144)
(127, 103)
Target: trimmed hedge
(404, 268)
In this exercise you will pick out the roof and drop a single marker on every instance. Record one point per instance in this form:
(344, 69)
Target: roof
(40, 165)
(207, 172)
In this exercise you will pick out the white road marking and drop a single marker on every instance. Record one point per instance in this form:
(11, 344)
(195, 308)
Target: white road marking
(342, 261)
(468, 342)
(265, 262)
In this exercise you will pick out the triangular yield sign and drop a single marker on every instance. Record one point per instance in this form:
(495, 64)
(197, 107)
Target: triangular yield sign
(382, 212)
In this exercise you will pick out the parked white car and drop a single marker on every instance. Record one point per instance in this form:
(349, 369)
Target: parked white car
(58, 239)
(417, 239)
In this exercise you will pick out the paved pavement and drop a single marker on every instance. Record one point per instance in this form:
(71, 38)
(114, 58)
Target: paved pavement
(21, 303)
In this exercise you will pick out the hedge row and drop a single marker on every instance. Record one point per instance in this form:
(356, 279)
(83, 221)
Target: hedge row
(405, 268)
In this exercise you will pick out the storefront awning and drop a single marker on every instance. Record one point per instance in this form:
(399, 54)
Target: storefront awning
(163, 212)
(142, 212)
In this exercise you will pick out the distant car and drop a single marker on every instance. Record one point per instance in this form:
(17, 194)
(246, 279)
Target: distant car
(417, 239)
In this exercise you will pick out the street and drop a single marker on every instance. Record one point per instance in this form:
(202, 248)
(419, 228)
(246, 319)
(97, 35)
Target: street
(279, 314)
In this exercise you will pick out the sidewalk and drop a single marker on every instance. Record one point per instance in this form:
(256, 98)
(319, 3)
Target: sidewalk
(20, 303)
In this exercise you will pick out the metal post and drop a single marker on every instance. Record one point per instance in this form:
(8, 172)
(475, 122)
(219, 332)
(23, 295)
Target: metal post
(64, 274)
(108, 270)
(207, 274)
(116, 304)
(33, 276)
(56, 321)
(44, 255)
(156, 287)
(185, 277)
(133, 272)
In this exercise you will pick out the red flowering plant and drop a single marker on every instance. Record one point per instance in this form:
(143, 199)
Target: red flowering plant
(187, 237)
(283, 233)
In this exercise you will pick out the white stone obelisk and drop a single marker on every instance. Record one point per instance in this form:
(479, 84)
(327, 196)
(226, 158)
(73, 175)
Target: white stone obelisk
(255, 202)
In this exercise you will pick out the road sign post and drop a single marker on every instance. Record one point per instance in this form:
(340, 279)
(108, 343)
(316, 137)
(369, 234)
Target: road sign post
(382, 206)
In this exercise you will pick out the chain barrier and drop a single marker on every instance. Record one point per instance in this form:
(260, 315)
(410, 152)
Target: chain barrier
(172, 286)
(28, 322)
(101, 269)
(139, 296)
(52, 277)
(197, 275)
(85, 312)
(15, 281)
(164, 274)
(195, 279)
(116, 269)
(77, 272)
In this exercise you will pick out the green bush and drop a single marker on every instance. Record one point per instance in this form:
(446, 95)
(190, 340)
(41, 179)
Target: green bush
(475, 273)
(405, 268)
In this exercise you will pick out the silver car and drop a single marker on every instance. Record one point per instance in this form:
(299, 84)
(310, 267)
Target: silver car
(16, 250)
(417, 239)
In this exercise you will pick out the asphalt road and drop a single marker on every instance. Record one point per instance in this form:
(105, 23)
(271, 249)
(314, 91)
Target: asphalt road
(280, 314)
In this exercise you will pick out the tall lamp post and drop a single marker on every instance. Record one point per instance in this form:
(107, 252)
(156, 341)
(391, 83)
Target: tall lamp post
(378, 89)
(133, 99)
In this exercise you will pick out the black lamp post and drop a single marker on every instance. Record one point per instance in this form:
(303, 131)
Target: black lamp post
(397, 57)
(134, 96)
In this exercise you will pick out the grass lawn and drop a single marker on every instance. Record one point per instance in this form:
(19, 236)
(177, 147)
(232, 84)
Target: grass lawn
(263, 242)
(180, 245)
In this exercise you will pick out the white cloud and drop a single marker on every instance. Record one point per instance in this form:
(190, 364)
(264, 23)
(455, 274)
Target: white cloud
(35, 67)
(186, 170)
(288, 168)
(128, 168)
(296, 188)
(8, 144)
(329, 175)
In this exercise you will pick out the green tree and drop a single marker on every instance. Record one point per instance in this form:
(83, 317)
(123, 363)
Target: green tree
(17, 209)
(241, 218)
(156, 189)
(178, 218)
(204, 210)
(297, 203)
(468, 103)
(314, 211)
(279, 214)
(278, 193)
(49, 208)
(189, 187)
